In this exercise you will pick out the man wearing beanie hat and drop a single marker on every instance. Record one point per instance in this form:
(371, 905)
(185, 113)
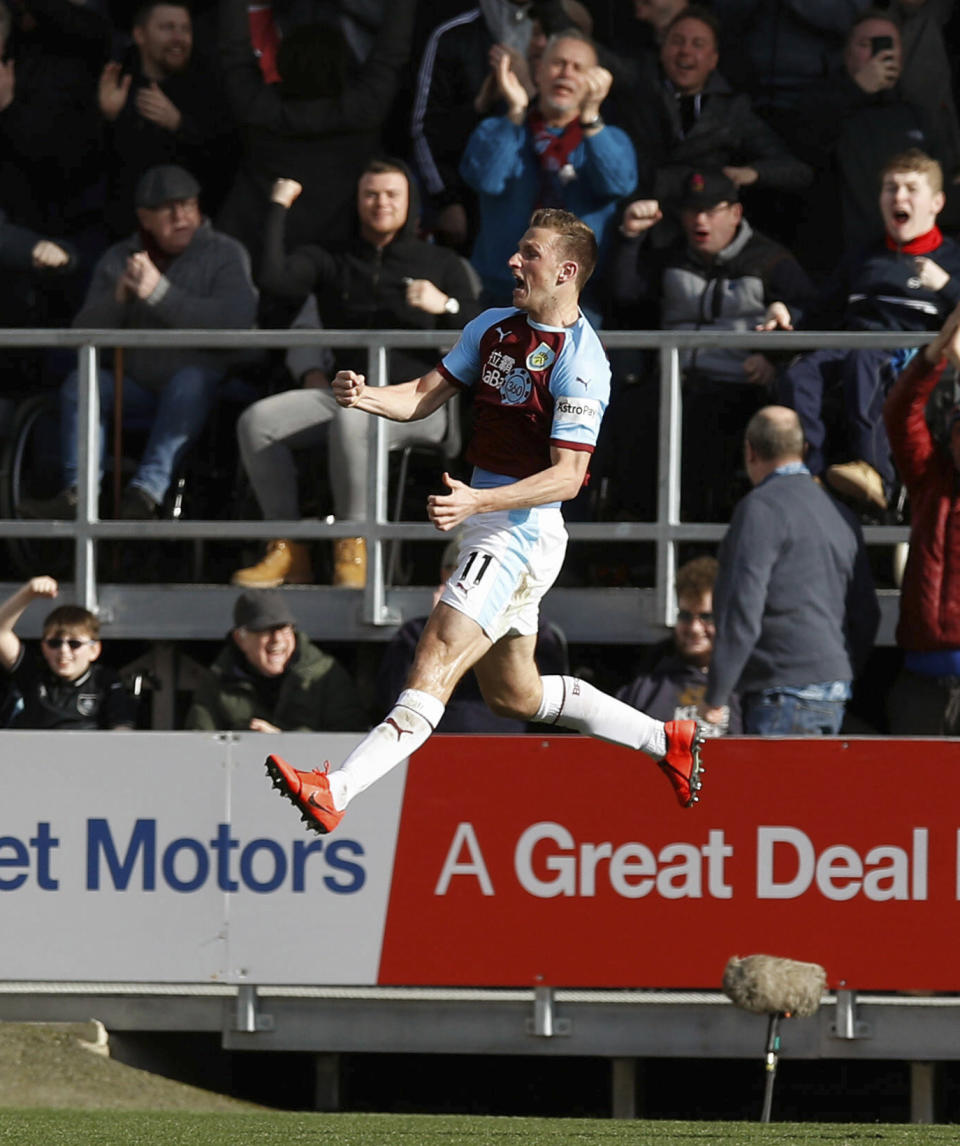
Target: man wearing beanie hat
(176, 272)
(270, 678)
(925, 698)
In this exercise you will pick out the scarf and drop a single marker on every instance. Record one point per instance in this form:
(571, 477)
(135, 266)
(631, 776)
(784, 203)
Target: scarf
(921, 245)
(553, 148)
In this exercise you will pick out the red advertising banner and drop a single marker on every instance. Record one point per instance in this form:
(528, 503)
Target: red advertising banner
(565, 862)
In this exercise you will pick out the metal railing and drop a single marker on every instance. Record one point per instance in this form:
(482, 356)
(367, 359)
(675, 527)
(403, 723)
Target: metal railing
(665, 533)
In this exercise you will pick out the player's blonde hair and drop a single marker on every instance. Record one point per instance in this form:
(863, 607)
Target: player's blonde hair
(575, 239)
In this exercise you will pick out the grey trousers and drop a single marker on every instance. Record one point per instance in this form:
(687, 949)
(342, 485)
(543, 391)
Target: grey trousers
(269, 431)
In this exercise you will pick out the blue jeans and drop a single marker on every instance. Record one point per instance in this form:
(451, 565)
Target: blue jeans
(811, 710)
(174, 416)
(863, 378)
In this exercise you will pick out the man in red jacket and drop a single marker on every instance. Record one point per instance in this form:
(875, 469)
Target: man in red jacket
(925, 699)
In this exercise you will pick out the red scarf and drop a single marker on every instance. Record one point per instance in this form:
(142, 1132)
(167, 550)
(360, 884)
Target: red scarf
(553, 150)
(921, 245)
(265, 40)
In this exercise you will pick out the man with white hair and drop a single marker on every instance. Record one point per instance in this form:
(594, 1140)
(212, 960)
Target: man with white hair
(556, 153)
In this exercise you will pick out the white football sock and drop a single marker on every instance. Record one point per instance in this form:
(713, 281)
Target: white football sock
(405, 729)
(573, 703)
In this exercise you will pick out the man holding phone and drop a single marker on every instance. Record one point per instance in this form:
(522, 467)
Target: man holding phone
(855, 121)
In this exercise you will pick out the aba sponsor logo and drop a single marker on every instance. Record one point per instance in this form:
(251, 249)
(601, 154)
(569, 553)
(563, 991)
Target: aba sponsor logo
(496, 368)
(542, 358)
(516, 388)
(576, 410)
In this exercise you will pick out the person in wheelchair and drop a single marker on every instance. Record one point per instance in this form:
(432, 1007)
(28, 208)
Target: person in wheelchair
(909, 281)
(175, 272)
(385, 278)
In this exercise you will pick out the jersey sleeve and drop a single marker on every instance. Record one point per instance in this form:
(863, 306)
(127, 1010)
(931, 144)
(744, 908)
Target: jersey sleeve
(461, 365)
(580, 385)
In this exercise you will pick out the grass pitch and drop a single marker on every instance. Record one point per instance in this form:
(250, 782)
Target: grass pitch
(137, 1128)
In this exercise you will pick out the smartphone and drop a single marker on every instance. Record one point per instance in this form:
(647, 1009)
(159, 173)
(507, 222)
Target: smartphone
(880, 44)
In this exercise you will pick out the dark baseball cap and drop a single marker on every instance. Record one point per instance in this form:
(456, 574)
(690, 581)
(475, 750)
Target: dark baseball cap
(165, 184)
(703, 190)
(260, 610)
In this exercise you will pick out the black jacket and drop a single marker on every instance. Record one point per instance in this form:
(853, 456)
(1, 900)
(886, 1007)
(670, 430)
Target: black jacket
(727, 132)
(848, 135)
(206, 142)
(323, 143)
(361, 287)
(878, 290)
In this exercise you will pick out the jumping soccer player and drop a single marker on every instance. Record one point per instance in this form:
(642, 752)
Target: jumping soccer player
(540, 383)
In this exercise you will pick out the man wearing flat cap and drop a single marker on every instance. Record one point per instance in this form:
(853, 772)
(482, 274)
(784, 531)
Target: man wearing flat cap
(270, 678)
(175, 272)
(720, 275)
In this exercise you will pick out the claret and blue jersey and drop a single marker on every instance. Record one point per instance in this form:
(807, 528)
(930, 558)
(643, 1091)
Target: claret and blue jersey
(533, 387)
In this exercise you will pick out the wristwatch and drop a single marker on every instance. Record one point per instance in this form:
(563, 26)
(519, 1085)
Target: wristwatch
(451, 306)
(586, 124)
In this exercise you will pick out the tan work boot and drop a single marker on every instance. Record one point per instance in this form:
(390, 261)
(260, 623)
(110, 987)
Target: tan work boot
(286, 563)
(350, 562)
(858, 481)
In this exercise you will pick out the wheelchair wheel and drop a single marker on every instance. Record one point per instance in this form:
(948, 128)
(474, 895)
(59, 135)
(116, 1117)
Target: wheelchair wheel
(30, 467)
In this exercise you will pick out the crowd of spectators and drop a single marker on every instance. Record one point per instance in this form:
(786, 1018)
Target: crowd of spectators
(746, 165)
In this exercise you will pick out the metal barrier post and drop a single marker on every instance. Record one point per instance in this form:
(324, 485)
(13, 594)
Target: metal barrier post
(88, 475)
(374, 609)
(668, 479)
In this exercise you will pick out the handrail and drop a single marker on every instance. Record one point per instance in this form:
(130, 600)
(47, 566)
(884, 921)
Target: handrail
(665, 532)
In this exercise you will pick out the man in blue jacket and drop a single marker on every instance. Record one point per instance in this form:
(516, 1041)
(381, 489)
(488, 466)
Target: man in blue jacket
(556, 154)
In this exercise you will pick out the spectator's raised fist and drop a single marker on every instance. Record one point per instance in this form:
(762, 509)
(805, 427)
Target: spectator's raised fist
(285, 192)
(640, 216)
(43, 587)
(48, 255)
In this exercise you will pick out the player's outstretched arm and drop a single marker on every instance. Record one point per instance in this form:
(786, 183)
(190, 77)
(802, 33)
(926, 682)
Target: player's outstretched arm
(560, 481)
(402, 402)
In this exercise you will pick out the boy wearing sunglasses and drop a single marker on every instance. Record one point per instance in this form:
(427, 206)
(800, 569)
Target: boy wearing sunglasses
(63, 688)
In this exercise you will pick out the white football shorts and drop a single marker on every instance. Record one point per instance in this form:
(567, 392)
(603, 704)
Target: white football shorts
(507, 562)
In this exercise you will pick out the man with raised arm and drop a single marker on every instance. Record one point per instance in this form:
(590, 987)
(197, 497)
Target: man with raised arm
(540, 383)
